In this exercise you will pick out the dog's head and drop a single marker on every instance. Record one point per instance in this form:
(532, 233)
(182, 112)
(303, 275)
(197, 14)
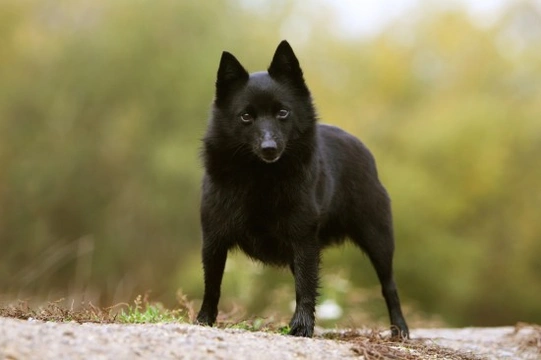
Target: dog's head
(263, 110)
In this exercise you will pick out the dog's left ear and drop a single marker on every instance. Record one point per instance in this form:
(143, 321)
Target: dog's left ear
(285, 66)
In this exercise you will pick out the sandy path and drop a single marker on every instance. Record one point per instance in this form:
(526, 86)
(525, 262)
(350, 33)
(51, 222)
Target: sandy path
(21, 339)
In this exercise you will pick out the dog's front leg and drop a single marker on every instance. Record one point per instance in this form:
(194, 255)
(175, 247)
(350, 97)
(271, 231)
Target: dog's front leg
(305, 268)
(214, 258)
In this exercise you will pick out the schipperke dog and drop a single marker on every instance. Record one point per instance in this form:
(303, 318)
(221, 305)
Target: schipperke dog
(281, 187)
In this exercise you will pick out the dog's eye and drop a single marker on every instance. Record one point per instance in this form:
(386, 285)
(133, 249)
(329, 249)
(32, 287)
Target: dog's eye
(247, 118)
(282, 114)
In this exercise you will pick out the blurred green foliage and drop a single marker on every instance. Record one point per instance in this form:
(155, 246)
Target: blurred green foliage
(103, 104)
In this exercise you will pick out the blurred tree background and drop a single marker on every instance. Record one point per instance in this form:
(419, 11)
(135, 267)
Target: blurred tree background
(103, 105)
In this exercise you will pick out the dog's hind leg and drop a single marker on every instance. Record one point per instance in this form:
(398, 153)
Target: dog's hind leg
(378, 243)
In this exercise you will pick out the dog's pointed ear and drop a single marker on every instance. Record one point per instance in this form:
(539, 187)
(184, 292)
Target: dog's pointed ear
(285, 66)
(230, 74)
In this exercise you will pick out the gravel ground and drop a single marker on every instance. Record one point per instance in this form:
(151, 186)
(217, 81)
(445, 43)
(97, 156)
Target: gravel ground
(491, 343)
(20, 339)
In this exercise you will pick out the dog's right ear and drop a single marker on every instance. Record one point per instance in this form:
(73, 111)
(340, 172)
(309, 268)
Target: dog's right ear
(231, 74)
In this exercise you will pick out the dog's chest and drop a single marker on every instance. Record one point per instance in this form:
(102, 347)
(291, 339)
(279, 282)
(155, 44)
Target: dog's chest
(267, 242)
(265, 229)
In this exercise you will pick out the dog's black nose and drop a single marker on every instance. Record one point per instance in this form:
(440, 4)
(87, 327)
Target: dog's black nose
(268, 145)
(269, 148)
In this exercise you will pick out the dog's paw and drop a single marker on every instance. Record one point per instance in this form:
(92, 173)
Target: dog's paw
(400, 332)
(301, 331)
(301, 327)
(205, 319)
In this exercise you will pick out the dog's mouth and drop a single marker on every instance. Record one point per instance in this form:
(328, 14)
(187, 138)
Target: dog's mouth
(270, 160)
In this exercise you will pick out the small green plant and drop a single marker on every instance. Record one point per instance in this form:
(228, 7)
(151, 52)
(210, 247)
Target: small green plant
(143, 312)
(254, 325)
(284, 330)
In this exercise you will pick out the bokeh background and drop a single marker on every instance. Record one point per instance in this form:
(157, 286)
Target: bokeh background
(103, 104)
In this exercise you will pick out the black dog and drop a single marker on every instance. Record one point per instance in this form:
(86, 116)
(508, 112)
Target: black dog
(281, 187)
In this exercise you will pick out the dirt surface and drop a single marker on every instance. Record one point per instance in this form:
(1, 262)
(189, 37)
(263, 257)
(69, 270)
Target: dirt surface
(31, 339)
(519, 342)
